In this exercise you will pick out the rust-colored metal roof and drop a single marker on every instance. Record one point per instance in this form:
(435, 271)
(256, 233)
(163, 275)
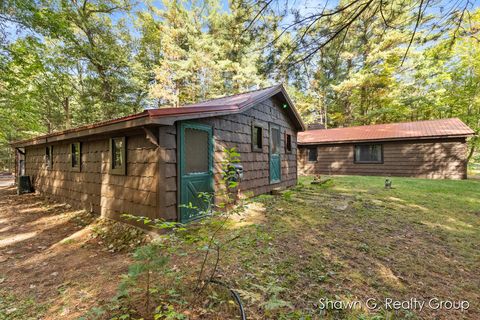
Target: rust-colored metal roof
(229, 103)
(392, 131)
(238, 100)
(214, 107)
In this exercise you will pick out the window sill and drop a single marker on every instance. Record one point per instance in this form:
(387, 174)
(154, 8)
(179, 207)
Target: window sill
(368, 162)
(118, 172)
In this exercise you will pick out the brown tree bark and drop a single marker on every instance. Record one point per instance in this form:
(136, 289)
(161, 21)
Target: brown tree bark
(472, 149)
(68, 116)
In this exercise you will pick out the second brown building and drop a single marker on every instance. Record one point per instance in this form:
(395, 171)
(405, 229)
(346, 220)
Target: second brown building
(426, 149)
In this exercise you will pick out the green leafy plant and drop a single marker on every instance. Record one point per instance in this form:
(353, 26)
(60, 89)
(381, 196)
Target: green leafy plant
(155, 256)
(168, 313)
(287, 195)
(271, 293)
(148, 259)
(13, 307)
(224, 209)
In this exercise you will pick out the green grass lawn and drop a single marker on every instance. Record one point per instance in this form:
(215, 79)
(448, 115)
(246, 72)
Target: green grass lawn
(354, 240)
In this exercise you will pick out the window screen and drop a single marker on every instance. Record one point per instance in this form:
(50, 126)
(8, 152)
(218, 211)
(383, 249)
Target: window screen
(75, 155)
(312, 154)
(288, 142)
(118, 156)
(275, 140)
(368, 153)
(48, 157)
(196, 151)
(257, 138)
(117, 153)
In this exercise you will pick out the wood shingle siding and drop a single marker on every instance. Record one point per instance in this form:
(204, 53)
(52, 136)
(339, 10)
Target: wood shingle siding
(235, 131)
(94, 188)
(436, 158)
(167, 172)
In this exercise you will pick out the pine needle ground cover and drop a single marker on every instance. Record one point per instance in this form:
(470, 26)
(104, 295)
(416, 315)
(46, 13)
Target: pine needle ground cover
(355, 240)
(348, 240)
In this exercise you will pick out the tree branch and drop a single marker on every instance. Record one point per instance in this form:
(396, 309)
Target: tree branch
(417, 23)
(335, 34)
(459, 24)
(257, 15)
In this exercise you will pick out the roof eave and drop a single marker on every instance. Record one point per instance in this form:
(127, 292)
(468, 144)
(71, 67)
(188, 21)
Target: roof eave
(385, 140)
(86, 131)
(275, 90)
(235, 109)
(301, 124)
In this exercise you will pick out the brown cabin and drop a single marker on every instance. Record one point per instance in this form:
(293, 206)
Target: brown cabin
(434, 149)
(149, 164)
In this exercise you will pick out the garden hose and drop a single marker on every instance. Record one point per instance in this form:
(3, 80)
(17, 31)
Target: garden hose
(235, 296)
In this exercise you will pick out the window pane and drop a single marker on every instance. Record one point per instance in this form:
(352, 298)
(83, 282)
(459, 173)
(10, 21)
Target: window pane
(47, 156)
(75, 154)
(117, 153)
(257, 137)
(376, 153)
(289, 142)
(275, 140)
(312, 154)
(368, 153)
(196, 151)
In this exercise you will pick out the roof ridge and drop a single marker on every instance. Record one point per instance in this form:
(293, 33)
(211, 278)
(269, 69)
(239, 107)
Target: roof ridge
(382, 124)
(434, 128)
(230, 96)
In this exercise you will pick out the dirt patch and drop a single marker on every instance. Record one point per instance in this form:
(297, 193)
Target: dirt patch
(6, 181)
(48, 254)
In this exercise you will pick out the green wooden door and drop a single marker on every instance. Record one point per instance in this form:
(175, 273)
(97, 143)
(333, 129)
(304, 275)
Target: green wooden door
(275, 158)
(196, 168)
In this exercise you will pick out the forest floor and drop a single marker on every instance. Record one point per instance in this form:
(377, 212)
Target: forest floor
(349, 240)
(53, 262)
(6, 181)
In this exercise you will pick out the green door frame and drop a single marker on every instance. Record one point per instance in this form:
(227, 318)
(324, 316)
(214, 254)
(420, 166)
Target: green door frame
(275, 159)
(187, 181)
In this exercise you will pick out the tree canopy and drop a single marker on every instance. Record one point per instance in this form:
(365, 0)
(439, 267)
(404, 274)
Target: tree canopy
(68, 63)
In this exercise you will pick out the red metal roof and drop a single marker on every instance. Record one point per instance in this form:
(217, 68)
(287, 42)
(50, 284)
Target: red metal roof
(234, 103)
(392, 131)
(224, 105)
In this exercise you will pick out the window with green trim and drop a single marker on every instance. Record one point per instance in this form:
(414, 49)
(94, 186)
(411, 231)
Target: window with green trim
(257, 138)
(75, 156)
(49, 157)
(288, 143)
(118, 153)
